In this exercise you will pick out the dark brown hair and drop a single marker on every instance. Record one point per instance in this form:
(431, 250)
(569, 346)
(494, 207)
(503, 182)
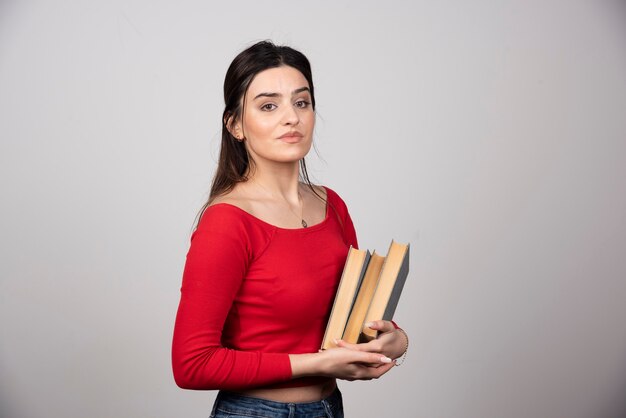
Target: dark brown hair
(234, 161)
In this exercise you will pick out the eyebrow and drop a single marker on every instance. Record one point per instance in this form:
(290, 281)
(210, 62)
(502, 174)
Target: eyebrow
(293, 93)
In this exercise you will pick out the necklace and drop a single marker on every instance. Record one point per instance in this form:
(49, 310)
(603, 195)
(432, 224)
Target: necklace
(301, 203)
(304, 224)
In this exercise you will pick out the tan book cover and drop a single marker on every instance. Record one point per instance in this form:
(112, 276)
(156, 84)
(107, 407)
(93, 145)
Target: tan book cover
(353, 272)
(390, 284)
(363, 299)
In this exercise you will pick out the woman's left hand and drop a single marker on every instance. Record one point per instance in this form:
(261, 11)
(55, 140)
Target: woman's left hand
(389, 342)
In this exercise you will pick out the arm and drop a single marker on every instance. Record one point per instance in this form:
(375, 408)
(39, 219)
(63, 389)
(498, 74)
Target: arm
(216, 264)
(341, 363)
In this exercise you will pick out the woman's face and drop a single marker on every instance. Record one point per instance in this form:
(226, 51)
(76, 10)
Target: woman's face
(278, 118)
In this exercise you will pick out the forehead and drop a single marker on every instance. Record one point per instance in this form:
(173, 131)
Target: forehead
(282, 80)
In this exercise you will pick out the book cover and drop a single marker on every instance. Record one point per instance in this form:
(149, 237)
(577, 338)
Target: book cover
(390, 284)
(351, 278)
(363, 299)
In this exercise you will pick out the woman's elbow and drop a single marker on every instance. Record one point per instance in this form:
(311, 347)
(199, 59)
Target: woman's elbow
(183, 380)
(187, 376)
(183, 376)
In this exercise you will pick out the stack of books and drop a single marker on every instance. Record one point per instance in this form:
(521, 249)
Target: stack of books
(369, 290)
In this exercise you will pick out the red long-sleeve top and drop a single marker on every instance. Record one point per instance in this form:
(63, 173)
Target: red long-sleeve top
(253, 293)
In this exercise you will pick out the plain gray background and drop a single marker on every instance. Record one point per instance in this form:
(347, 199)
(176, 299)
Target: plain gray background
(491, 135)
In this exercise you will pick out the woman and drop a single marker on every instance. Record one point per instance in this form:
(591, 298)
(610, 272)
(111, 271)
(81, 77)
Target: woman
(266, 258)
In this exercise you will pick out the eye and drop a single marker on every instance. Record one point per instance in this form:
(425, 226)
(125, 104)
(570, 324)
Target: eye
(268, 107)
(302, 104)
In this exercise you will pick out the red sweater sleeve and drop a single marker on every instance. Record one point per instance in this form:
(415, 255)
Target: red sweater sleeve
(216, 264)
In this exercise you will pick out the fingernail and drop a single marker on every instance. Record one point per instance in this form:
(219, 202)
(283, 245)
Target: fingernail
(385, 359)
(369, 324)
(336, 341)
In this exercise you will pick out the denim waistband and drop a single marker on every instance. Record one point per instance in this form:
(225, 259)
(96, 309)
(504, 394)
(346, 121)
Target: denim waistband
(229, 403)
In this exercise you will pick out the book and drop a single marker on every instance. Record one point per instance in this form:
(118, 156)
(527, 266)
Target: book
(363, 299)
(390, 284)
(369, 289)
(351, 278)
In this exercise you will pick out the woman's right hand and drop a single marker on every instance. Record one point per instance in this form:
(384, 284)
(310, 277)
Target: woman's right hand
(341, 363)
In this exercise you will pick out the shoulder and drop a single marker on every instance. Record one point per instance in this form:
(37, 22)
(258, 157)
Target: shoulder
(330, 193)
(221, 218)
(336, 203)
(234, 198)
(316, 192)
(333, 197)
(225, 226)
(226, 213)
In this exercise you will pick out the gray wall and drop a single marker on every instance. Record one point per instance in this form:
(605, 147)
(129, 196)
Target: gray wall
(489, 134)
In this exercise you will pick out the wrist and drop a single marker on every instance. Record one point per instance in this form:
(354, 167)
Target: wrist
(306, 365)
(402, 356)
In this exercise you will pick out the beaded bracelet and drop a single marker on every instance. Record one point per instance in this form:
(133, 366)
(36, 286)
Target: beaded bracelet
(406, 348)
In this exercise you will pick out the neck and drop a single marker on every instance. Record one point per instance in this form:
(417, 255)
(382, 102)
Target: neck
(281, 180)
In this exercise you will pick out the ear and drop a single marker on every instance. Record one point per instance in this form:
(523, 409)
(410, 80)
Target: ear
(234, 127)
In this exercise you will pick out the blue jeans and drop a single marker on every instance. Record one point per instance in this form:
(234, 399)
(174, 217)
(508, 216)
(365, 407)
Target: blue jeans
(233, 405)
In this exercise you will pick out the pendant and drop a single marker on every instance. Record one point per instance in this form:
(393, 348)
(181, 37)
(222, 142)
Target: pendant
(304, 224)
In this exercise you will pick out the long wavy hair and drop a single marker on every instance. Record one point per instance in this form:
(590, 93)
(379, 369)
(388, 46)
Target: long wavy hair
(234, 162)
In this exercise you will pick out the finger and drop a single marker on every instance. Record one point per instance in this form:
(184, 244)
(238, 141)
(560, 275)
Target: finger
(371, 358)
(381, 325)
(376, 372)
(364, 357)
(384, 369)
(357, 347)
(342, 343)
(357, 356)
(375, 365)
(372, 346)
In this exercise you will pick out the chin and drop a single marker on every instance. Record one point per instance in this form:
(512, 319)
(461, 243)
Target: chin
(295, 154)
(290, 159)
(284, 154)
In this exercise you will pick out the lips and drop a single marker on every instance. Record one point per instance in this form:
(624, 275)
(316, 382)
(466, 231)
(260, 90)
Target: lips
(291, 137)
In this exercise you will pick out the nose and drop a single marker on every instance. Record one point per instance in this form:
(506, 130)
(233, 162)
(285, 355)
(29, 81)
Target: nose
(290, 116)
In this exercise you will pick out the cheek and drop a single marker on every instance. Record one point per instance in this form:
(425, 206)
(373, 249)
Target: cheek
(259, 126)
(309, 119)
